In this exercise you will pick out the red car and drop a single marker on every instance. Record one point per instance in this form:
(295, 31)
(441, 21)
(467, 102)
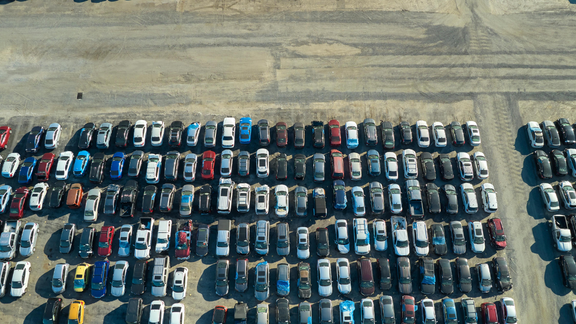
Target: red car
(208, 161)
(105, 241)
(497, 236)
(44, 167)
(337, 163)
(489, 313)
(335, 135)
(5, 132)
(219, 316)
(408, 313)
(281, 134)
(18, 202)
(183, 241)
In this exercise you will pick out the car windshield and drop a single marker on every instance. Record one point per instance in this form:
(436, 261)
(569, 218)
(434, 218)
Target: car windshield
(478, 240)
(405, 280)
(103, 245)
(421, 244)
(38, 189)
(25, 243)
(97, 285)
(117, 283)
(153, 159)
(402, 244)
(366, 284)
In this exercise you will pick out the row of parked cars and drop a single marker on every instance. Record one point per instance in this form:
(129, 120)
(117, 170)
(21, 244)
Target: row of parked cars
(554, 134)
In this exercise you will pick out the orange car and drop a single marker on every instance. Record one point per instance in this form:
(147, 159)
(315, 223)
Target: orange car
(74, 199)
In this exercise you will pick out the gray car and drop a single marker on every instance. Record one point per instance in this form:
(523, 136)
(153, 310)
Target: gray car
(377, 197)
(458, 238)
(319, 162)
(171, 164)
(135, 163)
(301, 195)
(373, 163)
(243, 163)
(210, 133)
(264, 132)
(262, 284)
(241, 281)
(299, 135)
(167, 197)
(370, 132)
(404, 276)
(67, 237)
(283, 243)
(451, 198)
(104, 135)
(325, 311)
(387, 310)
(222, 268)
(202, 239)
(243, 239)
(305, 313)
(111, 199)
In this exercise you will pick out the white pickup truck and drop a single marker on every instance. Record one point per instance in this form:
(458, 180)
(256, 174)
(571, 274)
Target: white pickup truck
(400, 235)
(144, 238)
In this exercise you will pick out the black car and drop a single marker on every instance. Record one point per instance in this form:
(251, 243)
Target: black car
(446, 171)
(370, 132)
(406, 132)
(451, 199)
(543, 165)
(204, 200)
(299, 135)
(97, 168)
(566, 131)
(148, 199)
(167, 197)
(128, 199)
(559, 164)
(202, 240)
(33, 140)
(171, 165)
(87, 242)
(318, 133)
(52, 311)
(427, 276)
(135, 163)
(264, 132)
(299, 166)
(438, 239)
(122, 132)
(501, 274)
(322, 245)
(134, 311)
(139, 277)
(388, 140)
(175, 133)
(445, 276)
(457, 134)
(111, 199)
(222, 268)
(67, 238)
(385, 274)
(86, 136)
(57, 194)
(282, 311)
(281, 167)
(463, 276)
(428, 168)
(433, 197)
(568, 268)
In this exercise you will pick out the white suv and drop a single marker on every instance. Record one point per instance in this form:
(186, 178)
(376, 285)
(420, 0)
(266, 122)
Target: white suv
(361, 236)
(420, 238)
(262, 168)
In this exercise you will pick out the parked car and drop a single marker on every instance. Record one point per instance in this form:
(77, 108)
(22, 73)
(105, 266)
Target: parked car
(105, 241)
(99, 279)
(157, 133)
(222, 268)
(299, 135)
(303, 251)
(38, 195)
(496, 233)
(135, 164)
(202, 240)
(20, 279)
(438, 239)
(245, 125)
(445, 276)
(463, 275)
(262, 281)
(501, 274)
(355, 166)
(205, 199)
(262, 164)
(484, 277)
(404, 275)
(551, 133)
(476, 233)
(322, 242)
(335, 136)
(281, 134)
(67, 238)
(543, 164)
(175, 133)
(26, 170)
(122, 132)
(377, 197)
(33, 139)
(458, 239)
(28, 239)
(87, 242)
(10, 165)
(318, 134)
(263, 132)
(140, 131)
(352, 136)
(422, 134)
(457, 134)
(243, 163)
(119, 274)
(428, 168)
(535, 134)
(52, 138)
(190, 162)
(241, 278)
(103, 136)
(97, 166)
(193, 133)
(304, 282)
(343, 276)
(406, 132)
(324, 278)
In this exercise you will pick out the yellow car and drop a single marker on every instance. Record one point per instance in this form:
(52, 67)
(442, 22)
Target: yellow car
(76, 315)
(81, 278)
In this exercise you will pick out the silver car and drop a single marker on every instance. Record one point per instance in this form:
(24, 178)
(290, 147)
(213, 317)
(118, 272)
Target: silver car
(210, 133)
(374, 163)
(104, 135)
(484, 278)
(243, 197)
(377, 197)
(458, 238)
(119, 274)
(243, 163)
(190, 163)
(283, 243)
(226, 162)
(301, 194)
(59, 277)
(262, 284)
(319, 163)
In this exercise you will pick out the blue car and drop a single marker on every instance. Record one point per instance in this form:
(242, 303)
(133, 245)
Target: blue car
(99, 277)
(449, 308)
(33, 141)
(193, 134)
(117, 165)
(245, 130)
(340, 199)
(26, 171)
(81, 163)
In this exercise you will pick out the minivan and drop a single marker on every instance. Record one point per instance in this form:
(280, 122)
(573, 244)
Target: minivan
(366, 277)
(283, 244)
(243, 239)
(385, 274)
(160, 276)
(134, 311)
(139, 276)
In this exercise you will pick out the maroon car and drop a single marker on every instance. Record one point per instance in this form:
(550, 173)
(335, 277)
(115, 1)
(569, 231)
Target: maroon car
(408, 309)
(281, 134)
(105, 241)
(5, 132)
(18, 202)
(335, 135)
(44, 167)
(489, 313)
(182, 251)
(365, 276)
(497, 236)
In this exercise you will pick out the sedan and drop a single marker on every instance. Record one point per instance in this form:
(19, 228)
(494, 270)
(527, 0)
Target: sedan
(433, 198)
(103, 136)
(410, 164)
(64, 165)
(406, 132)
(458, 238)
(480, 166)
(358, 201)
(105, 241)
(428, 168)
(549, 197)
(245, 130)
(301, 197)
(465, 166)
(395, 198)
(543, 165)
(388, 140)
(380, 235)
(117, 166)
(18, 202)
(355, 166)
(186, 200)
(449, 310)
(148, 199)
(226, 163)
(140, 131)
(57, 194)
(45, 166)
(228, 132)
(299, 166)
(496, 233)
(484, 277)
(568, 194)
(343, 276)
(535, 134)
(10, 165)
(391, 166)
(473, 133)
(566, 131)
(299, 135)
(457, 134)
(439, 134)
(438, 239)
(122, 132)
(351, 135)
(489, 199)
(476, 234)
(5, 193)
(26, 170)
(559, 164)
(125, 240)
(282, 207)
(469, 198)
(52, 136)
(324, 278)
(244, 163)
(422, 134)
(59, 277)
(342, 239)
(38, 196)
(157, 134)
(318, 134)
(135, 164)
(339, 190)
(335, 137)
(111, 199)
(33, 140)
(119, 274)
(370, 132)
(319, 163)
(97, 168)
(376, 197)
(303, 247)
(193, 134)
(153, 168)
(404, 276)
(208, 161)
(179, 283)
(171, 165)
(551, 133)
(81, 164)
(463, 275)
(167, 197)
(175, 133)
(446, 170)
(67, 238)
(373, 162)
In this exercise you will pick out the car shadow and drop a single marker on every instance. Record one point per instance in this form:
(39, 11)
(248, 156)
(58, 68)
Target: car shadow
(116, 315)
(543, 245)
(36, 314)
(553, 279)
(207, 317)
(43, 285)
(535, 205)
(566, 311)
(529, 175)
(51, 248)
(206, 284)
(521, 144)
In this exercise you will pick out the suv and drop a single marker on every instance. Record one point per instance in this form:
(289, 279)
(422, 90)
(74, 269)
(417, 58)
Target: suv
(361, 236)
(262, 283)
(262, 237)
(366, 277)
(160, 276)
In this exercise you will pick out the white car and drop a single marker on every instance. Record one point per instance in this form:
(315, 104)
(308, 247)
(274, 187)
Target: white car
(361, 236)
(509, 310)
(324, 278)
(568, 194)
(410, 164)
(262, 169)
(473, 133)
(125, 240)
(439, 134)
(391, 166)
(38, 195)
(281, 208)
(303, 250)
(367, 312)
(571, 158)
(469, 198)
(343, 276)
(422, 134)
(428, 312)
(92, 203)
(358, 203)
(420, 237)
(10, 165)
(243, 197)
(59, 277)
(103, 136)
(5, 193)
(262, 200)
(179, 283)
(549, 196)
(153, 168)
(380, 235)
(489, 199)
(400, 235)
(225, 191)
(193, 134)
(355, 166)
(477, 242)
(157, 134)
(342, 239)
(20, 277)
(52, 136)
(140, 131)
(177, 315)
(226, 163)
(535, 134)
(65, 161)
(190, 163)
(228, 132)
(484, 277)
(119, 273)
(156, 312)
(395, 198)
(28, 239)
(465, 166)
(480, 166)
(352, 139)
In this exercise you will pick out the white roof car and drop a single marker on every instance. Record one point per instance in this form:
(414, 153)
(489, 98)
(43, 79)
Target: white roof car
(179, 283)
(476, 233)
(92, 202)
(571, 158)
(156, 312)
(351, 134)
(5, 193)
(262, 200)
(428, 312)
(489, 199)
(549, 196)
(469, 198)
(395, 198)
(508, 310)
(422, 134)
(157, 134)
(119, 273)
(342, 239)
(343, 276)
(282, 207)
(193, 133)
(303, 250)
(52, 136)
(228, 132)
(262, 169)
(355, 166)
(465, 166)
(367, 313)
(358, 203)
(380, 235)
(28, 239)
(226, 163)
(439, 134)
(10, 165)
(177, 314)
(420, 236)
(324, 278)
(568, 194)
(391, 166)
(38, 195)
(140, 131)
(484, 277)
(361, 236)
(535, 134)
(153, 168)
(410, 164)
(480, 166)
(225, 191)
(125, 240)
(65, 161)
(190, 163)
(20, 277)
(473, 133)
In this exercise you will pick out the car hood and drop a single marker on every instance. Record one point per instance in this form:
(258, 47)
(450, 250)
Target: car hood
(405, 288)
(564, 246)
(405, 251)
(26, 251)
(459, 249)
(261, 295)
